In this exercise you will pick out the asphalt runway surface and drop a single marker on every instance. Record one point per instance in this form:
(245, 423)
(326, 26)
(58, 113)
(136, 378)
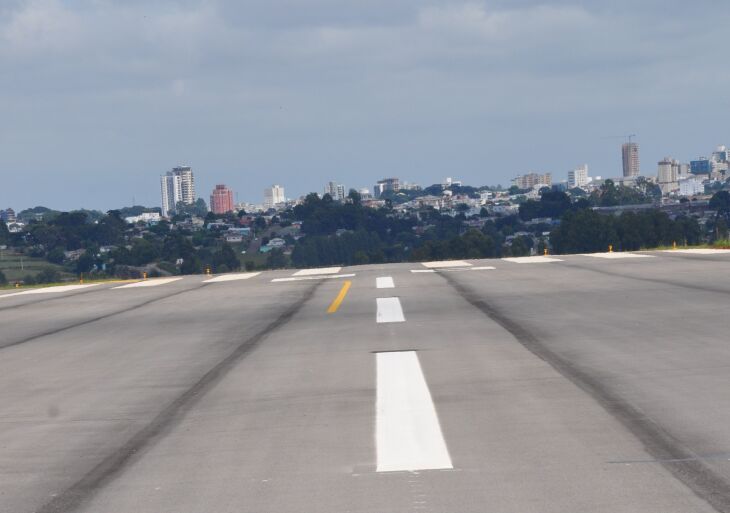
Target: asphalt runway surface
(567, 384)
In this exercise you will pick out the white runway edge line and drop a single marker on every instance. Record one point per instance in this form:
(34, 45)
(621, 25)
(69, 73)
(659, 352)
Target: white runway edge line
(389, 310)
(384, 282)
(231, 277)
(407, 431)
(302, 278)
(322, 270)
(148, 283)
(51, 290)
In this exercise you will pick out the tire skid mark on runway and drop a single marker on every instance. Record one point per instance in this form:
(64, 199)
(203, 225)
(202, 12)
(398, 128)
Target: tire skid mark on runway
(75, 497)
(714, 290)
(680, 461)
(95, 319)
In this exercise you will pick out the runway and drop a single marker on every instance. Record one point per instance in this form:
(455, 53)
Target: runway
(567, 384)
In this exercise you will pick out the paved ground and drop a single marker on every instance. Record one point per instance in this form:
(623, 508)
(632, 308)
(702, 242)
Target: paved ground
(574, 384)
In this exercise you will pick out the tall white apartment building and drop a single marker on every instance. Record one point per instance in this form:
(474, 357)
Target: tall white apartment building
(335, 190)
(578, 177)
(177, 186)
(273, 196)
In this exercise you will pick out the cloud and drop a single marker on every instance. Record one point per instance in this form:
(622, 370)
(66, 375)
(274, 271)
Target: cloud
(324, 89)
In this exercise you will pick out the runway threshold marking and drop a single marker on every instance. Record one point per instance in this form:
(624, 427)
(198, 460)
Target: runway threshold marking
(389, 310)
(384, 282)
(51, 290)
(457, 269)
(407, 432)
(532, 260)
(445, 263)
(302, 278)
(231, 277)
(699, 251)
(617, 255)
(321, 270)
(340, 297)
(148, 283)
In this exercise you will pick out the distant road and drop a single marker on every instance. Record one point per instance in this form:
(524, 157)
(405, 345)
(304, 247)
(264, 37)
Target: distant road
(566, 384)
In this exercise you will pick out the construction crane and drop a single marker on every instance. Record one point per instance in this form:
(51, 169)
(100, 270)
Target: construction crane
(628, 137)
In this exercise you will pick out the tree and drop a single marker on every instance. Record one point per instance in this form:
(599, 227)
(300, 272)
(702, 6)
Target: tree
(276, 259)
(56, 255)
(199, 208)
(4, 233)
(48, 275)
(226, 257)
(720, 202)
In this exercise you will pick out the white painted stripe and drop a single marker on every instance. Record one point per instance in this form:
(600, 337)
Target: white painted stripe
(52, 290)
(148, 283)
(699, 251)
(483, 268)
(407, 432)
(231, 277)
(617, 255)
(532, 260)
(322, 270)
(384, 282)
(389, 310)
(302, 278)
(446, 263)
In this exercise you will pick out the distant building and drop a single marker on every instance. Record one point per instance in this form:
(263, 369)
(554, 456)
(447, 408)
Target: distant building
(667, 175)
(630, 159)
(721, 154)
(177, 186)
(701, 166)
(578, 177)
(145, 217)
(691, 187)
(530, 180)
(386, 184)
(221, 200)
(336, 191)
(273, 196)
(8, 215)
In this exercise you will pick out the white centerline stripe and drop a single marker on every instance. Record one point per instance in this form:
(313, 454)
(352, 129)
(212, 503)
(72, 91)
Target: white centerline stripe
(407, 431)
(389, 310)
(231, 277)
(302, 278)
(322, 270)
(446, 263)
(384, 282)
(148, 283)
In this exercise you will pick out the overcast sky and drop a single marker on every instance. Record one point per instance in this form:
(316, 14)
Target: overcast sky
(100, 97)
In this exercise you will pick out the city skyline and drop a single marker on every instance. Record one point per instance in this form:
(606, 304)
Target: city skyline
(480, 90)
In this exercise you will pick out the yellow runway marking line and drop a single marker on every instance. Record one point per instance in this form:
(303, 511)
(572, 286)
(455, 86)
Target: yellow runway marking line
(340, 297)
